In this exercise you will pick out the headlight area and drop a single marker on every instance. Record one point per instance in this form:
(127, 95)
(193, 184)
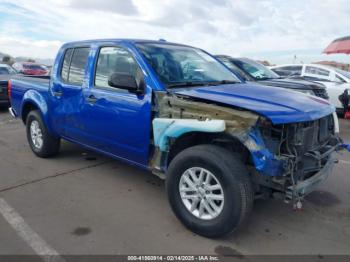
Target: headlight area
(285, 155)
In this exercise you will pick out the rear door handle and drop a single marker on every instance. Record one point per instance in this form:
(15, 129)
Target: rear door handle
(91, 99)
(57, 93)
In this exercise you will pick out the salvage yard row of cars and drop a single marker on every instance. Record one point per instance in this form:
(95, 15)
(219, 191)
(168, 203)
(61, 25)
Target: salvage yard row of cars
(337, 81)
(220, 134)
(326, 82)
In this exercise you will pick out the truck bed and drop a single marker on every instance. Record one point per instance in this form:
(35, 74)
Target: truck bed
(21, 84)
(40, 80)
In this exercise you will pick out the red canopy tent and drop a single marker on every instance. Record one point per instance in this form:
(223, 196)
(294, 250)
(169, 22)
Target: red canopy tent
(339, 46)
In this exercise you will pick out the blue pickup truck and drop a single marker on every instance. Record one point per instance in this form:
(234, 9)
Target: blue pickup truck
(178, 112)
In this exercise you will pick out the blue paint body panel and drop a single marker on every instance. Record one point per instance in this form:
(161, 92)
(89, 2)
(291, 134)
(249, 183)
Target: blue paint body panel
(280, 106)
(264, 160)
(346, 146)
(119, 124)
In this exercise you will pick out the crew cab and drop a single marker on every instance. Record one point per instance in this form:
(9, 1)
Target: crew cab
(178, 112)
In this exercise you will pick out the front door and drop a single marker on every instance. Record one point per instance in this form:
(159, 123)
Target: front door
(115, 120)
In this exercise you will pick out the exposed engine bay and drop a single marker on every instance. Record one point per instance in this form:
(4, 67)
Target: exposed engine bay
(280, 157)
(304, 148)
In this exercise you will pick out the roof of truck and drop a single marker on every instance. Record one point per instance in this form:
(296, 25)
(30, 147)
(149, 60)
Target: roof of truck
(125, 40)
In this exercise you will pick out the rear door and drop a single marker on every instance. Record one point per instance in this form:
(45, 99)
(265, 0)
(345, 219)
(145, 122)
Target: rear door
(115, 120)
(67, 92)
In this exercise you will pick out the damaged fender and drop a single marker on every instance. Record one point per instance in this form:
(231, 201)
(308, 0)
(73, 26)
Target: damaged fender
(177, 116)
(265, 162)
(165, 128)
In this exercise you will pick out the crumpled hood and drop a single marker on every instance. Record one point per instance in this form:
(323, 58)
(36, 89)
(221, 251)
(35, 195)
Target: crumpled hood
(279, 105)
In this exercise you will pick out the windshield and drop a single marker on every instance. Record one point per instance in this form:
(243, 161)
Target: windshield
(178, 65)
(255, 70)
(6, 70)
(343, 73)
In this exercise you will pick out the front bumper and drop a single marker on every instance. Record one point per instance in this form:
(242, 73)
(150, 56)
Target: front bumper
(302, 188)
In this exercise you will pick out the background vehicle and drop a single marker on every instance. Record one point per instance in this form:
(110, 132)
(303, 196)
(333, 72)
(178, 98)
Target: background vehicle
(253, 71)
(177, 111)
(28, 68)
(335, 80)
(6, 72)
(345, 100)
(313, 72)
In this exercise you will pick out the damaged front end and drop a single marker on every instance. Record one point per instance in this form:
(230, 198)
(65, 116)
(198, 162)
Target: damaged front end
(287, 158)
(301, 155)
(176, 115)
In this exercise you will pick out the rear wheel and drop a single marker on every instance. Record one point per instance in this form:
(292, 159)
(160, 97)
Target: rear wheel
(209, 190)
(42, 143)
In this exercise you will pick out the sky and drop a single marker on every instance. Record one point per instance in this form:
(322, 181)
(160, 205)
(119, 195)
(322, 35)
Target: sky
(273, 30)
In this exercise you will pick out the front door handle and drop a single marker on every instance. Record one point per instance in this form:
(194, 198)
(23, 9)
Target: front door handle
(91, 99)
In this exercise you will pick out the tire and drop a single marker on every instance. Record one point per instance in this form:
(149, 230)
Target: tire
(229, 172)
(49, 145)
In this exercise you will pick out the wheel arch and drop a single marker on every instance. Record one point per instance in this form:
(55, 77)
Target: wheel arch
(172, 136)
(33, 100)
(221, 139)
(27, 107)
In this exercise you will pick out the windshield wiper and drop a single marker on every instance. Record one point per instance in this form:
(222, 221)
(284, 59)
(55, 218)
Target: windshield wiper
(224, 82)
(266, 78)
(184, 84)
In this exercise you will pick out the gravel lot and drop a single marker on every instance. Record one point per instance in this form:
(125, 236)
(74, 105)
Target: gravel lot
(84, 203)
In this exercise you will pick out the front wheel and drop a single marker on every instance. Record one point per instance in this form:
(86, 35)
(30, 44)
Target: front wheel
(42, 143)
(209, 190)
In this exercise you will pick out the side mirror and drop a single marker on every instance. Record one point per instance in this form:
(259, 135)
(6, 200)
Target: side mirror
(126, 81)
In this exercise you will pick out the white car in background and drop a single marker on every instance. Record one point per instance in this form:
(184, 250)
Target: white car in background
(335, 80)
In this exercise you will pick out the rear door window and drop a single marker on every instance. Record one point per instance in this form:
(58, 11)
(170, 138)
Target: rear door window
(77, 65)
(66, 63)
